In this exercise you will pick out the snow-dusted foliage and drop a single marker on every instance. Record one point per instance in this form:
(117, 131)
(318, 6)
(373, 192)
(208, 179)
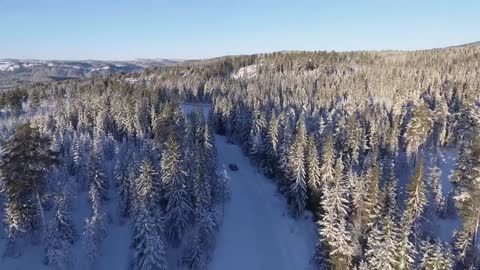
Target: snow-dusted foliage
(381, 147)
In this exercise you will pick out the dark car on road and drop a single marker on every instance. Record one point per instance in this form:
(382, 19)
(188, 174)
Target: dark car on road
(233, 167)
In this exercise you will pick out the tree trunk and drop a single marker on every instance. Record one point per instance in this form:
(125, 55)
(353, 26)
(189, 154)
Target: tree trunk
(475, 230)
(42, 214)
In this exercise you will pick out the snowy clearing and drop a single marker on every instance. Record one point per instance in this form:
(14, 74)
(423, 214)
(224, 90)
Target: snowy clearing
(257, 232)
(245, 72)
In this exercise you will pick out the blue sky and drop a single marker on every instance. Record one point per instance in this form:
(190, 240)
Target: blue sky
(187, 29)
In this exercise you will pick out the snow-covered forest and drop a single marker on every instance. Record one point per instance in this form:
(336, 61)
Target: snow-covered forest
(356, 160)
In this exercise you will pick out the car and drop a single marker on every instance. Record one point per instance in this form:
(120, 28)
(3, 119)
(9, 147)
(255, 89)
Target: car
(233, 167)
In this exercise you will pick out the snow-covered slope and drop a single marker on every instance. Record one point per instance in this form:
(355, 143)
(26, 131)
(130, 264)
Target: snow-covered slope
(37, 70)
(257, 232)
(245, 72)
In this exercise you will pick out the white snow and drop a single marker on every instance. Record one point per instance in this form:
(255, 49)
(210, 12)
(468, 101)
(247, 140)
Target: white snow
(257, 232)
(131, 80)
(194, 107)
(100, 68)
(8, 66)
(245, 72)
(30, 64)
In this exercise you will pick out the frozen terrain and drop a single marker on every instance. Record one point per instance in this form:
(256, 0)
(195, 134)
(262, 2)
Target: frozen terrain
(257, 232)
(245, 72)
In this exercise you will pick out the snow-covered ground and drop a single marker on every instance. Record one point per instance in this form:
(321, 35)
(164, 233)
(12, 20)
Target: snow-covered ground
(194, 107)
(245, 72)
(257, 232)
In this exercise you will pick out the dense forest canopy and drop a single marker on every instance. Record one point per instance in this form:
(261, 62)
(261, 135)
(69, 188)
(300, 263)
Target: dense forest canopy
(357, 138)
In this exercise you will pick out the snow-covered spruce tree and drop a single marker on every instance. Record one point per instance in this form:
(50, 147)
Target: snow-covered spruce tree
(417, 199)
(440, 120)
(435, 256)
(372, 208)
(418, 129)
(314, 181)
(96, 170)
(353, 139)
(61, 236)
(327, 170)
(390, 191)
(271, 146)
(123, 167)
(356, 196)
(208, 155)
(284, 145)
(465, 253)
(435, 183)
(297, 193)
(196, 257)
(80, 162)
(204, 222)
(178, 211)
(333, 226)
(224, 181)
(149, 246)
(466, 179)
(95, 228)
(147, 227)
(382, 246)
(163, 123)
(147, 188)
(406, 250)
(255, 140)
(393, 135)
(189, 156)
(24, 161)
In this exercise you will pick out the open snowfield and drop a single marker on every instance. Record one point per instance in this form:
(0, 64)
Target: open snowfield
(257, 232)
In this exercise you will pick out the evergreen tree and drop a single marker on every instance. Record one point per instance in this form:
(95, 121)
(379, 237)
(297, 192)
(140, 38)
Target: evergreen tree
(467, 187)
(418, 129)
(61, 237)
(333, 226)
(255, 139)
(435, 183)
(328, 159)
(178, 210)
(406, 250)
(97, 171)
(24, 162)
(147, 228)
(314, 180)
(382, 246)
(149, 248)
(297, 193)
(271, 145)
(435, 256)
(95, 228)
(417, 200)
(283, 154)
(123, 180)
(80, 164)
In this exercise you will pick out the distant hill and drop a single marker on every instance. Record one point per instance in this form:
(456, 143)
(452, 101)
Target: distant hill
(473, 44)
(14, 70)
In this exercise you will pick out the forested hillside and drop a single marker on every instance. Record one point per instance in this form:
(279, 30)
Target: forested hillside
(382, 147)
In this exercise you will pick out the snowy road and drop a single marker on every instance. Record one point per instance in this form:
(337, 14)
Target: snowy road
(257, 232)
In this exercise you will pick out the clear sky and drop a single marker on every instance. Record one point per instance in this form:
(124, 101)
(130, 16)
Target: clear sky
(188, 29)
